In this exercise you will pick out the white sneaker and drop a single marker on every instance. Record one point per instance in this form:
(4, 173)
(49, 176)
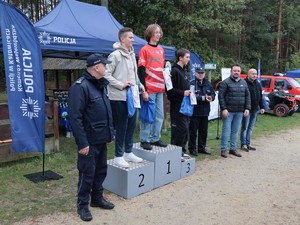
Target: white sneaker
(186, 156)
(119, 161)
(130, 157)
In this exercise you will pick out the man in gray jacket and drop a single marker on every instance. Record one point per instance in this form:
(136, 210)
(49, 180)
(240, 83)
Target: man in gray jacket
(121, 74)
(234, 100)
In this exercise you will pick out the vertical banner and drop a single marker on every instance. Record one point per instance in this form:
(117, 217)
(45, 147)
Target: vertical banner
(266, 106)
(195, 61)
(24, 80)
(258, 71)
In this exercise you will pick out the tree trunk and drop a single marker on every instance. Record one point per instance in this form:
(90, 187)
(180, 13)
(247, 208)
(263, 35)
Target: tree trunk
(104, 3)
(278, 34)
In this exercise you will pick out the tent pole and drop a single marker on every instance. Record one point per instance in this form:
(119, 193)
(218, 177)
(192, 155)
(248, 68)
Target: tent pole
(217, 137)
(43, 164)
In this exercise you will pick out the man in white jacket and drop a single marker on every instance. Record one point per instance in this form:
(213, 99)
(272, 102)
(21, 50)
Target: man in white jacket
(121, 74)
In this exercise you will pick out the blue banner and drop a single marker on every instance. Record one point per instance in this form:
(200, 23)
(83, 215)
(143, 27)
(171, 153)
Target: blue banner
(195, 61)
(24, 80)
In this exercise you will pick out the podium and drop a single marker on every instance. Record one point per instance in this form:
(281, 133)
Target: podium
(160, 166)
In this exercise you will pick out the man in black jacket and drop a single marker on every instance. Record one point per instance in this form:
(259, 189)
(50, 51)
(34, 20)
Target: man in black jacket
(91, 121)
(181, 88)
(234, 100)
(199, 121)
(256, 103)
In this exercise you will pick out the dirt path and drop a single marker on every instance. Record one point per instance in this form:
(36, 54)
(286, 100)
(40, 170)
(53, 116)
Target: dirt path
(262, 187)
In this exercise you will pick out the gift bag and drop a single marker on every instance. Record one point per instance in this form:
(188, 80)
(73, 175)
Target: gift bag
(193, 95)
(130, 103)
(136, 96)
(147, 111)
(167, 78)
(186, 107)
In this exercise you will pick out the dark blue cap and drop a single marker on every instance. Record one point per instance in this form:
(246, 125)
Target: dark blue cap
(200, 70)
(95, 59)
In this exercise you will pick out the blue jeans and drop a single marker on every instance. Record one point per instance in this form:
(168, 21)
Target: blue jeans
(231, 125)
(247, 127)
(124, 127)
(151, 132)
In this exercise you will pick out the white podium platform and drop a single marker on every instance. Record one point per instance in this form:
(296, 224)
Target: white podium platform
(167, 162)
(129, 182)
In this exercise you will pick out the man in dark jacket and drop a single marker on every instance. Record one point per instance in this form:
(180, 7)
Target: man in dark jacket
(234, 100)
(256, 103)
(199, 121)
(181, 88)
(91, 121)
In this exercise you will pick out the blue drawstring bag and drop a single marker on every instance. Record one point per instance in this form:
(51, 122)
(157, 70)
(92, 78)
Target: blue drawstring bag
(130, 104)
(186, 107)
(147, 111)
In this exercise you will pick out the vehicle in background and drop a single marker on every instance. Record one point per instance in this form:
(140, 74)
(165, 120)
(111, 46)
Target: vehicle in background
(287, 84)
(281, 103)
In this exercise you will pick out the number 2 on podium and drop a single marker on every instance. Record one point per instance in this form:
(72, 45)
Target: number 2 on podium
(141, 183)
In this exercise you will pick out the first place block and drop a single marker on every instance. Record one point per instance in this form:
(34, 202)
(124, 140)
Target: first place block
(167, 162)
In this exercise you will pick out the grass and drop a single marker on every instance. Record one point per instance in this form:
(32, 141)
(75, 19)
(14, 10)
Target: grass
(20, 198)
(3, 96)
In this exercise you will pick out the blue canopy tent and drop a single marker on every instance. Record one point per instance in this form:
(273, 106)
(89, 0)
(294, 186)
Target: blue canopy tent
(74, 29)
(293, 73)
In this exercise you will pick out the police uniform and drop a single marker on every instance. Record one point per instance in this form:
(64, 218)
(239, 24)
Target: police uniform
(90, 117)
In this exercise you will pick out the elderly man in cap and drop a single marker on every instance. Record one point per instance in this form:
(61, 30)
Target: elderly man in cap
(199, 121)
(91, 121)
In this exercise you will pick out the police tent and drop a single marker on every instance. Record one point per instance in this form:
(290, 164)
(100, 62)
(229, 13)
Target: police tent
(294, 74)
(75, 29)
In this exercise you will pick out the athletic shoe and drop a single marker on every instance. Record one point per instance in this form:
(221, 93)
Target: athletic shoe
(159, 143)
(130, 157)
(185, 156)
(244, 148)
(146, 145)
(119, 161)
(251, 148)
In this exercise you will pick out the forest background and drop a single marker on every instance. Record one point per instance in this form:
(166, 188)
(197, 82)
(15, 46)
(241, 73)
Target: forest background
(220, 31)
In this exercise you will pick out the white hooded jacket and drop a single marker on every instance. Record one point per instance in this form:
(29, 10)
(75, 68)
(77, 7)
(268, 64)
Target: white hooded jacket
(123, 68)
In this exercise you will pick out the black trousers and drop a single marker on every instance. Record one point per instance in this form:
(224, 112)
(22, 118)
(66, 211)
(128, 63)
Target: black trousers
(92, 170)
(179, 126)
(200, 124)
